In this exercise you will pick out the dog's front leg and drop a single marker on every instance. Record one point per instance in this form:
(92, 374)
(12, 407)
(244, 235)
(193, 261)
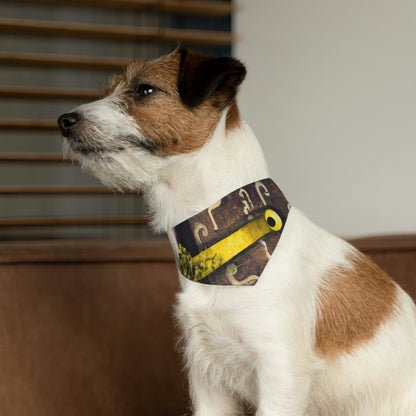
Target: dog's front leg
(210, 399)
(283, 387)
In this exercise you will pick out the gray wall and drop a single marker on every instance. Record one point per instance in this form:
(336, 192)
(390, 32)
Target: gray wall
(331, 94)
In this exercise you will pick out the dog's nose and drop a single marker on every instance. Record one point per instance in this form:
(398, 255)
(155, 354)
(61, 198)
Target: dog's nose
(67, 121)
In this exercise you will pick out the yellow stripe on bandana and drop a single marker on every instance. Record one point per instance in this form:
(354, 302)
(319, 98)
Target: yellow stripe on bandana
(204, 263)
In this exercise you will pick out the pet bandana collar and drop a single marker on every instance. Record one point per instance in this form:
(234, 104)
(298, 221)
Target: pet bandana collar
(231, 242)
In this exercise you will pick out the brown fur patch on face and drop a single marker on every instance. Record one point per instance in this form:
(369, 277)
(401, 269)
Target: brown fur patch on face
(163, 119)
(353, 303)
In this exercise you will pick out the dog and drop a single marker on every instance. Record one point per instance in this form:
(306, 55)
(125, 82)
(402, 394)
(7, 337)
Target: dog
(317, 328)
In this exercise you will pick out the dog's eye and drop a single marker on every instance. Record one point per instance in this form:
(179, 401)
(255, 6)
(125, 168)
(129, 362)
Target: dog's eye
(143, 90)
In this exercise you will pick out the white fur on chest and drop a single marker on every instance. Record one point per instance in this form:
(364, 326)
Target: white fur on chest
(232, 328)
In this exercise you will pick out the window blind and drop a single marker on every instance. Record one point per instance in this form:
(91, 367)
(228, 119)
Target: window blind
(55, 55)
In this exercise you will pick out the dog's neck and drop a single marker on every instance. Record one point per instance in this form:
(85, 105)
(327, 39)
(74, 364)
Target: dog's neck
(231, 159)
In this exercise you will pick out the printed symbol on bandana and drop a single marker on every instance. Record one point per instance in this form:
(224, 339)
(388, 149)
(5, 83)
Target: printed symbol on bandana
(200, 266)
(231, 272)
(259, 186)
(246, 201)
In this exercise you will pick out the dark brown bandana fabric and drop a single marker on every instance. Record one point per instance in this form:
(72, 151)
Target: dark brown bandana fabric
(231, 242)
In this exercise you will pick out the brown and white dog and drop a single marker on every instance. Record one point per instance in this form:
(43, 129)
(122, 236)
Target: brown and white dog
(324, 331)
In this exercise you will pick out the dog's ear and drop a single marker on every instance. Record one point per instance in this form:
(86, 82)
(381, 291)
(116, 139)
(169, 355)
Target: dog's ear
(202, 77)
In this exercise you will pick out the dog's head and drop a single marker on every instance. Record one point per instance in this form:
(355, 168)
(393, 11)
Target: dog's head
(154, 111)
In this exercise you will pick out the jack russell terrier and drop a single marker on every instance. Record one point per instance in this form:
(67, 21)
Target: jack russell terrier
(275, 312)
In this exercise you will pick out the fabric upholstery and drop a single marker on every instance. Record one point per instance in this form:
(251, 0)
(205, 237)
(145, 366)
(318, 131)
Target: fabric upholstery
(86, 328)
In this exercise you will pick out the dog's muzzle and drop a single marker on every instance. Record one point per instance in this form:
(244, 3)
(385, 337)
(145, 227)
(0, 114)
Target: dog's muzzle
(67, 123)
